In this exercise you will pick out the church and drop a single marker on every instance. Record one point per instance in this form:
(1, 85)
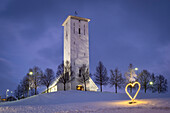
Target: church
(76, 51)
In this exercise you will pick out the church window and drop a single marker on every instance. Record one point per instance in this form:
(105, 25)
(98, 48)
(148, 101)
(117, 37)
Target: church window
(84, 29)
(79, 72)
(74, 28)
(79, 20)
(84, 54)
(74, 43)
(79, 31)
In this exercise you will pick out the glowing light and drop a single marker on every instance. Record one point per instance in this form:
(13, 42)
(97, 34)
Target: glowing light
(132, 84)
(30, 73)
(136, 69)
(151, 83)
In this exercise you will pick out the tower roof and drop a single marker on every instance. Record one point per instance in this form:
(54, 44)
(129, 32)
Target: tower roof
(75, 17)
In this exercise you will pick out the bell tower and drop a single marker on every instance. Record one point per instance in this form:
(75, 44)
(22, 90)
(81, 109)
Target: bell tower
(76, 45)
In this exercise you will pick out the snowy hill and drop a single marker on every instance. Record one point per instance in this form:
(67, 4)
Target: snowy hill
(81, 101)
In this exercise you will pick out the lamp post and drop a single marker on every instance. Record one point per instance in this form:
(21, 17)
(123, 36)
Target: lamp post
(7, 93)
(151, 83)
(30, 73)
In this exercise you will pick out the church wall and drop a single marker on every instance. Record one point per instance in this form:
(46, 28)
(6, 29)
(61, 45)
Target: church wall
(79, 47)
(67, 46)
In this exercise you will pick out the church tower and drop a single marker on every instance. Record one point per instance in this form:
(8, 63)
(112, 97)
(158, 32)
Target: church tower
(76, 51)
(76, 45)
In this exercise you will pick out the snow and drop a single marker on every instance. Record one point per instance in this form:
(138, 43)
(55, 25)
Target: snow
(85, 102)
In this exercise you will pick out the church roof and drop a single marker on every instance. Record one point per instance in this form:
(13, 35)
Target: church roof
(75, 17)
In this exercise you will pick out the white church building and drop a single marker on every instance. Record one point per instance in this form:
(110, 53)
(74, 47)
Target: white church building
(76, 51)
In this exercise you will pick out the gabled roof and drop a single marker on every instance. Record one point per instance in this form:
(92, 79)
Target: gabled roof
(52, 85)
(93, 83)
(55, 82)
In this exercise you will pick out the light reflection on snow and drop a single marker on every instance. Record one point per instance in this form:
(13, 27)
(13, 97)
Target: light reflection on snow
(126, 103)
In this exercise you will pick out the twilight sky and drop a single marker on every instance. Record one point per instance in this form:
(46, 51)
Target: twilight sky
(121, 32)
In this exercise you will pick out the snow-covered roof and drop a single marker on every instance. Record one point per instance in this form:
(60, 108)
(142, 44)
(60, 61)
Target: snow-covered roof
(53, 84)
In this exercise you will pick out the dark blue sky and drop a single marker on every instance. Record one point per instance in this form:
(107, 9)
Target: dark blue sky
(121, 32)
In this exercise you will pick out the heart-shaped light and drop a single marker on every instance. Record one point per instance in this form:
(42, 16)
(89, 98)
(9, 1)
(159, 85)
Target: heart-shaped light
(132, 84)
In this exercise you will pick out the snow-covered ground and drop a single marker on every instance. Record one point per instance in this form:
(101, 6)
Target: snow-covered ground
(85, 102)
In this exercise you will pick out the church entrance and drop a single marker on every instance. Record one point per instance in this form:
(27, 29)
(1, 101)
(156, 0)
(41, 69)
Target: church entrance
(80, 87)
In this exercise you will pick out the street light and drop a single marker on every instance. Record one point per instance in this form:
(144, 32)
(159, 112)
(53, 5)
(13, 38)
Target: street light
(136, 69)
(151, 83)
(30, 73)
(7, 93)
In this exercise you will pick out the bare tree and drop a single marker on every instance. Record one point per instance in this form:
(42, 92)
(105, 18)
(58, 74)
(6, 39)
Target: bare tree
(161, 84)
(18, 92)
(47, 78)
(116, 79)
(35, 78)
(101, 75)
(65, 73)
(84, 75)
(153, 83)
(25, 86)
(144, 78)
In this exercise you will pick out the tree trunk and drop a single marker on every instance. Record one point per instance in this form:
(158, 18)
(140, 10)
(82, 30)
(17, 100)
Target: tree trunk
(100, 87)
(35, 90)
(85, 86)
(28, 93)
(130, 89)
(64, 87)
(115, 88)
(47, 89)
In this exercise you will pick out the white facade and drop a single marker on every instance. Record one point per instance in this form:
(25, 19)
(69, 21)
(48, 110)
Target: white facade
(76, 50)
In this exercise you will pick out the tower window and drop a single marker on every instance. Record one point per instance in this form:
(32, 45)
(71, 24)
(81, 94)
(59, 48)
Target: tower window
(74, 43)
(74, 63)
(79, 72)
(84, 29)
(79, 31)
(84, 54)
(79, 20)
(74, 28)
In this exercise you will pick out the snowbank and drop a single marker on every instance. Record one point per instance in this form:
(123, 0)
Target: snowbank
(80, 101)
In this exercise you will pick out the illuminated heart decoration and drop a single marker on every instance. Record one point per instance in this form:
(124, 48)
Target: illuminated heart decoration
(132, 84)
